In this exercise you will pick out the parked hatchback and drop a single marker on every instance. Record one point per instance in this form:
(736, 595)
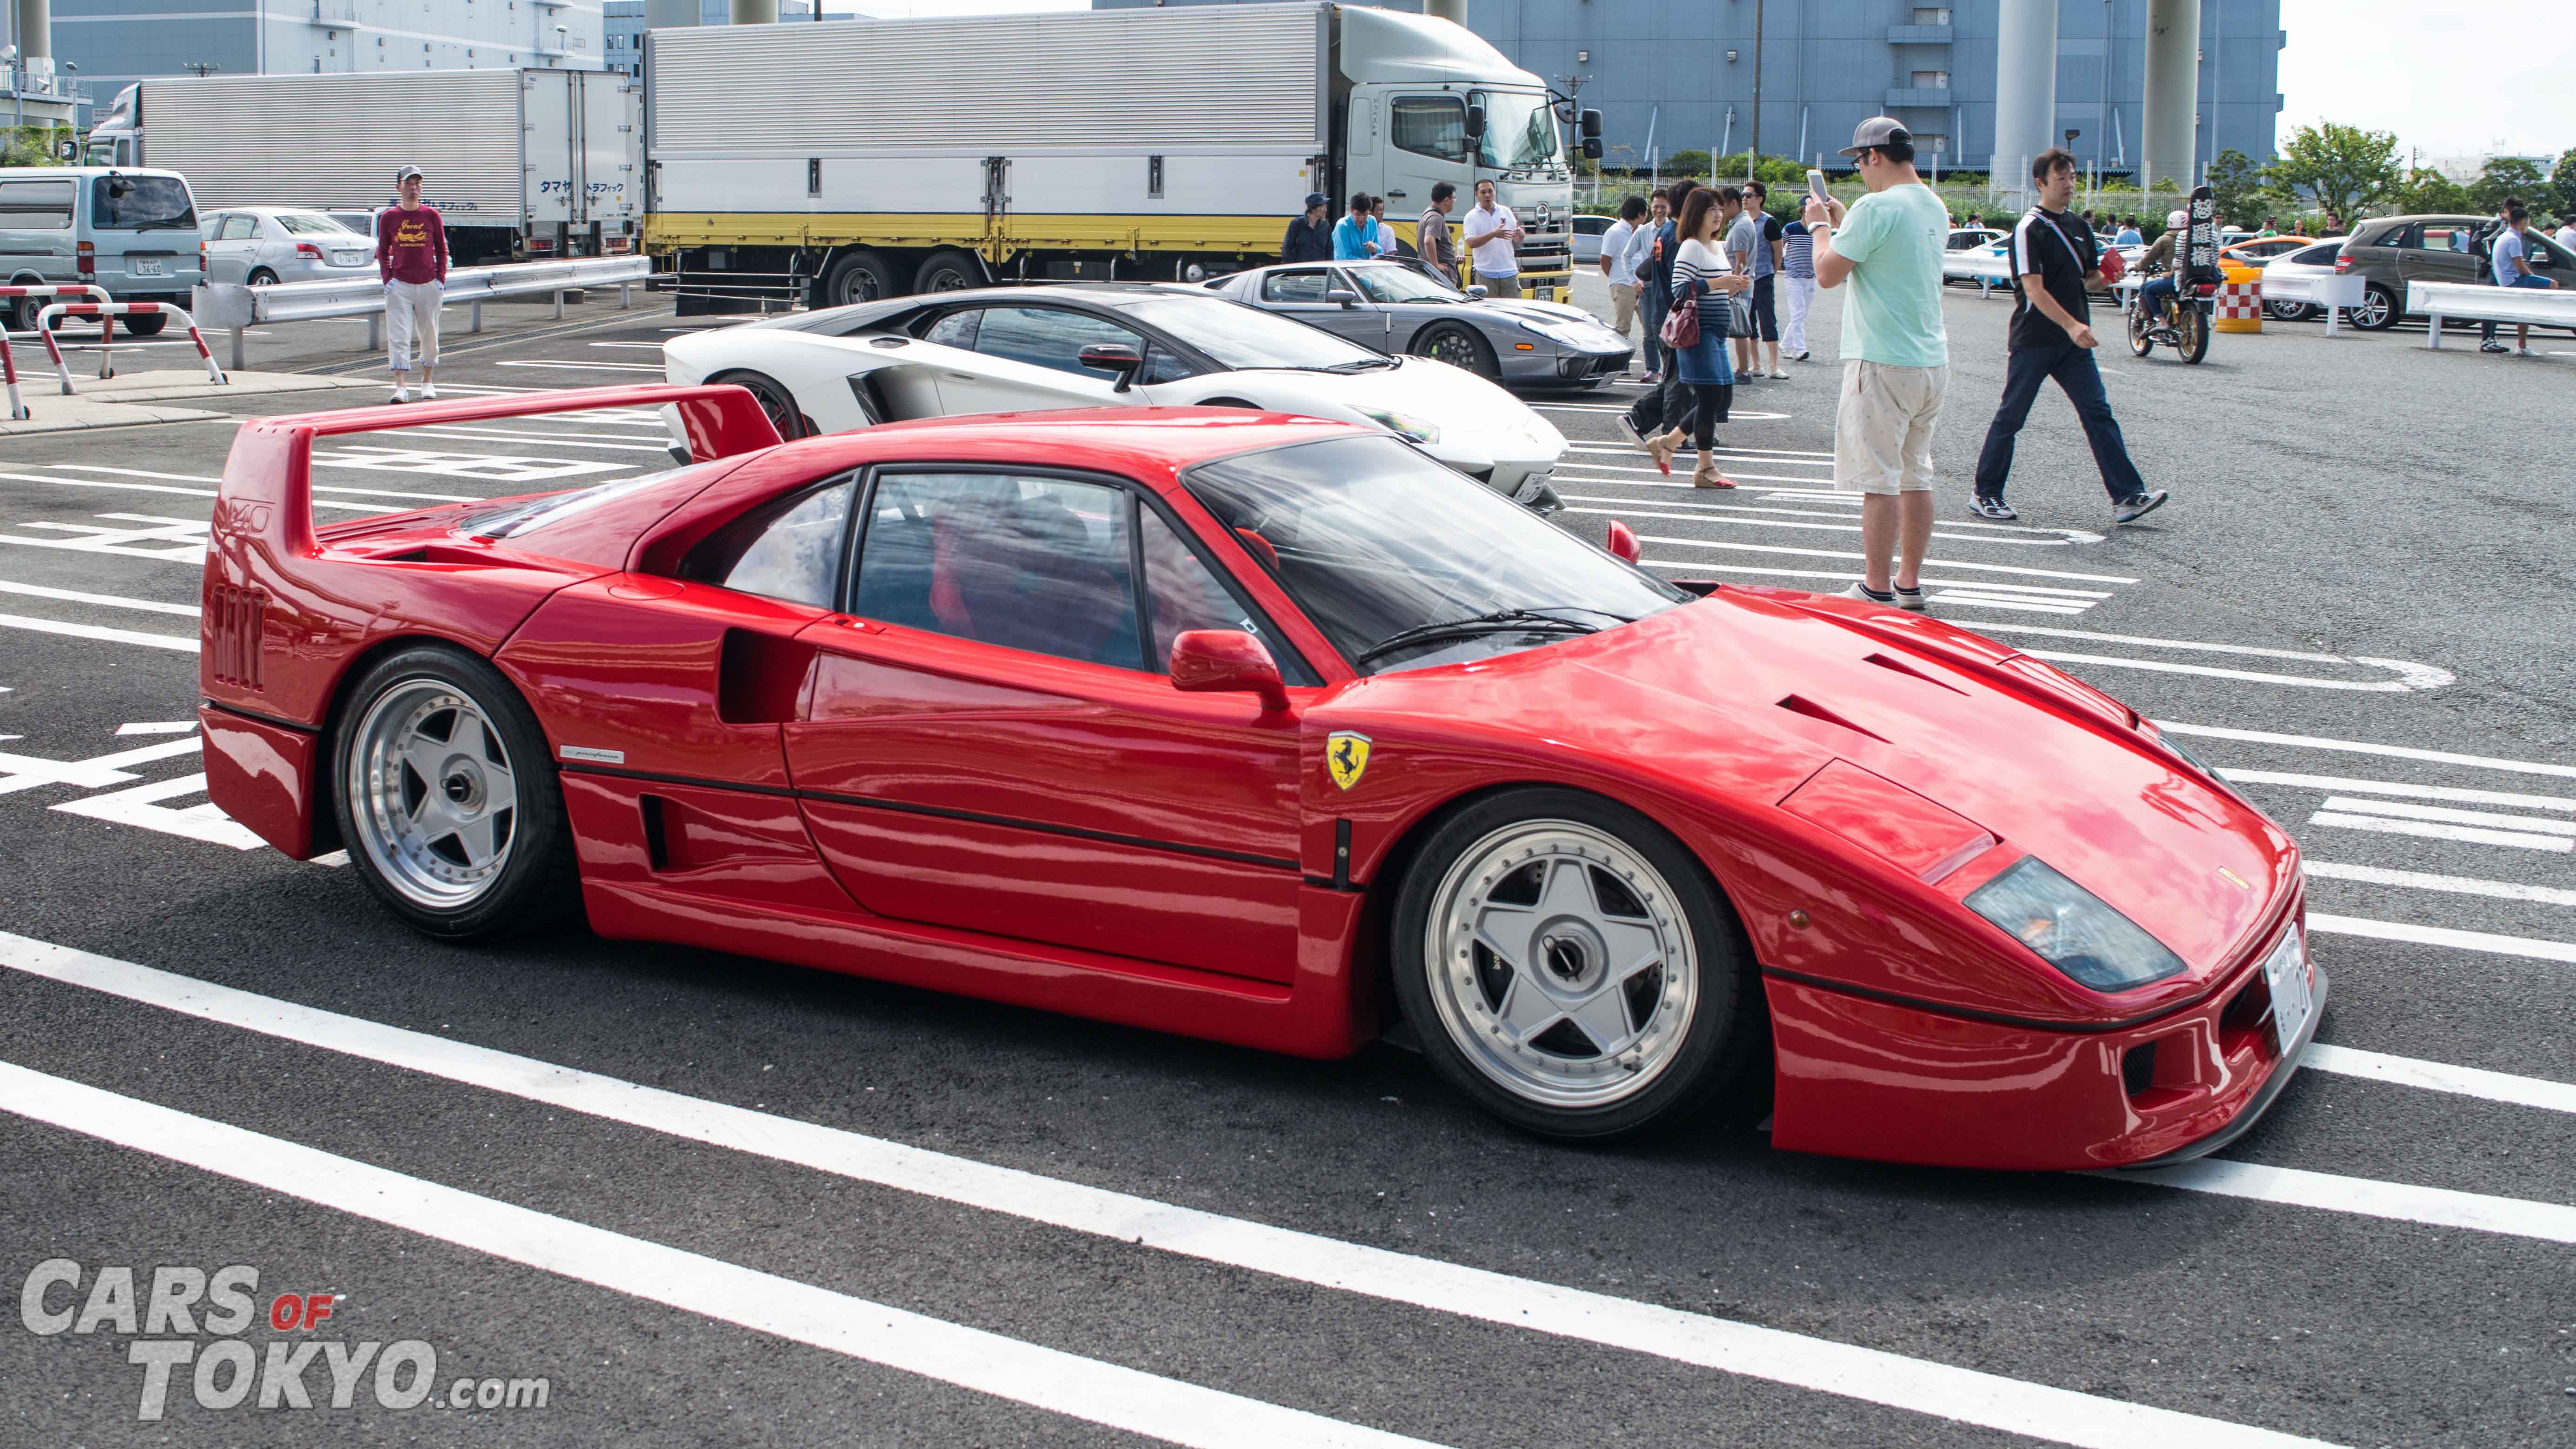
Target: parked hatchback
(259, 245)
(2391, 251)
(133, 233)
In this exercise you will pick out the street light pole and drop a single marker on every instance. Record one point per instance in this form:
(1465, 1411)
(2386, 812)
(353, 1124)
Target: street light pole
(1753, 147)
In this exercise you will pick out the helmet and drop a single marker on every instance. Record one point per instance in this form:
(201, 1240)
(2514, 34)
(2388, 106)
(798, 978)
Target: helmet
(2178, 218)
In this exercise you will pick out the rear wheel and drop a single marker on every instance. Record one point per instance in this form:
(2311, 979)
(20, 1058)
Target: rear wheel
(261, 277)
(2289, 311)
(1569, 966)
(857, 277)
(2377, 312)
(23, 311)
(2192, 327)
(775, 400)
(447, 797)
(143, 324)
(948, 271)
(1458, 346)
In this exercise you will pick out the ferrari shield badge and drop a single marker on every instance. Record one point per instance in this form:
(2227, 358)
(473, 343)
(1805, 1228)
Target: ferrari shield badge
(1346, 756)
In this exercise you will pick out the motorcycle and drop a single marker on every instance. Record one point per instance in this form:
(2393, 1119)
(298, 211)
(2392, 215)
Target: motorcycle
(2181, 323)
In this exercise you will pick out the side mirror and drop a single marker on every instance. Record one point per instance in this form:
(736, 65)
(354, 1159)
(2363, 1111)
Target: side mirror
(1589, 122)
(1344, 296)
(1591, 148)
(1115, 357)
(1227, 661)
(1475, 122)
(1623, 543)
(1476, 293)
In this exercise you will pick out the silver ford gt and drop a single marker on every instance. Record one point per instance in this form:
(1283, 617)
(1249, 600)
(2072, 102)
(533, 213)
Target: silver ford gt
(1395, 308)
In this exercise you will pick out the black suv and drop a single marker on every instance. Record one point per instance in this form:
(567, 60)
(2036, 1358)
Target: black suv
(2391, 251)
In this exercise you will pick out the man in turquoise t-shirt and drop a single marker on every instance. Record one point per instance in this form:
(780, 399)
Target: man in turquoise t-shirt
(1896, 354)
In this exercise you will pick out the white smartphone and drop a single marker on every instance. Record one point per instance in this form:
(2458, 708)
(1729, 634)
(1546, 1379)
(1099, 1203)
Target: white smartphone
(1815, 183)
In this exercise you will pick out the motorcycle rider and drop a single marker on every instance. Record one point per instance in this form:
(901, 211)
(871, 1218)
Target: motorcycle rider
(2162, 263)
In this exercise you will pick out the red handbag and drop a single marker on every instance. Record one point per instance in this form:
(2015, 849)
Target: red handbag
(1681, 325)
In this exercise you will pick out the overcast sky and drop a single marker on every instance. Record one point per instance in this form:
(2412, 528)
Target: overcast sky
(2450, 79)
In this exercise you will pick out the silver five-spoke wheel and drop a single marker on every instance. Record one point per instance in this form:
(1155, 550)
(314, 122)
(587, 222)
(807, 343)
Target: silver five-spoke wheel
(1561, 964)
(432, 793)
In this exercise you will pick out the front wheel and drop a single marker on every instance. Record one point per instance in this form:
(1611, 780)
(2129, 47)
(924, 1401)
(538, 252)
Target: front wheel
(1459, 346)
(2289, 311)
(2377, 312)
(447, 798)
(2142, 336)
(1571, 968)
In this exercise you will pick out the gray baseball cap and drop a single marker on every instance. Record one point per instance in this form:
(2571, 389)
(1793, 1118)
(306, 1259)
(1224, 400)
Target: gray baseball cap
(1877, 131)
(405, 174)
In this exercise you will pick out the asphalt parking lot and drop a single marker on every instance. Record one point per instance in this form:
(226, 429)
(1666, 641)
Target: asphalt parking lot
(2355, 605)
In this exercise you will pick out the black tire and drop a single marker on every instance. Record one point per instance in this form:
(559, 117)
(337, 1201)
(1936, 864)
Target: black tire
(143, 324)
(260, 277)
(1458, 346)
(23, 311)
(1714, 1064)
(2141, 340)
(948, 270)
(2379, 309)
(2192, 326)
(859, 276)
(775, 400)
(2289, 311)
(537, 884)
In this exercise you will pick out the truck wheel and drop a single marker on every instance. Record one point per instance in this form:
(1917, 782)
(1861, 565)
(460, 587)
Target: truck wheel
(2378, 310)
(858, 277)
(948, 271)
(1571, 968)
(23, 311)
(143, 324)
(1459, 347)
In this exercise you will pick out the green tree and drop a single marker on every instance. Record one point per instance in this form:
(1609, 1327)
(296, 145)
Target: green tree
(1686, 163)
(2562, 183)
(2507, 176)
(2242, 188)
(2427, 191)
(2344, 167)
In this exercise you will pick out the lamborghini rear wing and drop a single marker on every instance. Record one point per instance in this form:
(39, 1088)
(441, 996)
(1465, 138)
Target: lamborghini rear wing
(266, 497)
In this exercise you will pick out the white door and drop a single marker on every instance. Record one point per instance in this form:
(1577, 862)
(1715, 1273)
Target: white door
(547, 127)
(1029, 357)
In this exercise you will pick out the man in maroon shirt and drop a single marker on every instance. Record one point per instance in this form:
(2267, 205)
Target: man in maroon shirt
(411, 257)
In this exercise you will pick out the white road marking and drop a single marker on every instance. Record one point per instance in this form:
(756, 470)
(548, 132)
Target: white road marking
(26, 772)
(1869, 1375)
(638, 346)
(2439, 1207)
(158, 488)
(2391, 787)
(185, 538)
(2018, 570)
(105, 601)
(2530, 823)
(988, 1363)
(2407, 931)
(2359, 747)
(345, 489)
(1734, 415)
(2503, 890)
(141, 806)
(1812, 527)
(183, 643)
(2410, 675)
(2250, 676)
(2441, 1077)
(159, 727)
(550, 440)
(2427, 830)
(2068, 535)
(1804, 457)
(2029, 603)
(1991, 600)
(484, 467)
(565, 366)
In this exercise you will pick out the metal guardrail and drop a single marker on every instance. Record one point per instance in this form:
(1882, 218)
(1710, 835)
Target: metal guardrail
(2335, 294)
(2467, 302)
(237, 308)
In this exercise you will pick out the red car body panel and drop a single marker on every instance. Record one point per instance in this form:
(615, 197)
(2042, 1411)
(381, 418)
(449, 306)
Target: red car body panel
(755, 776)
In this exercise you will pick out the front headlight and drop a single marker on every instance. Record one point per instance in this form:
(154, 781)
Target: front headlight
(1411, 429)
(2071, 928)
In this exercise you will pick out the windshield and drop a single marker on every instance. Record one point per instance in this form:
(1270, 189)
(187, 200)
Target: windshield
(1237, 336)
(1520, 130)
(141, 203)
(1374, 539)
(1402, 284)
(310, 223)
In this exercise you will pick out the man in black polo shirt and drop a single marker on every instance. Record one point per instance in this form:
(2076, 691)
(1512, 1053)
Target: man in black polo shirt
(2054, 265)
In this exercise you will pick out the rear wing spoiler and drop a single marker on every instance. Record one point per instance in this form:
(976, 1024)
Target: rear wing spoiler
(266, 494)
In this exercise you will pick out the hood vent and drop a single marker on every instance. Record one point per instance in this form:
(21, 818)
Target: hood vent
(1800, 704)
(1885, 661)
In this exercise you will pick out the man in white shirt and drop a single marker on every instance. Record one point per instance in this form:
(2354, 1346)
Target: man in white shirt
(1493, 236)
(2567, 231)
(1615, 264)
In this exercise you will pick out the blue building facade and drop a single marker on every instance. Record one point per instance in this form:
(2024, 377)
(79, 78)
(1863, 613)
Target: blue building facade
(1674, 75)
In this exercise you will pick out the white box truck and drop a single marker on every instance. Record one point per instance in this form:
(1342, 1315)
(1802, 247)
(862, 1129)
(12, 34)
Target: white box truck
(836, 162)
(521, 163)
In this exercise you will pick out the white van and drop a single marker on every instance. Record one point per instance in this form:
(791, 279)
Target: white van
(132, 232)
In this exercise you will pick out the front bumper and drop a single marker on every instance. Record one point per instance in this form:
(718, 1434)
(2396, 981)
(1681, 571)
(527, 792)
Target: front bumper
(1563, 366)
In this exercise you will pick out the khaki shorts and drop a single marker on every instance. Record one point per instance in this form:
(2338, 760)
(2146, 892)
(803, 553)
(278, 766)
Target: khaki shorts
(1883, 427)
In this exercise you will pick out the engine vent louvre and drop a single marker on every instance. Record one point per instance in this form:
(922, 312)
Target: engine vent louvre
(1800, 704)
(1885, 661)
(234, 621)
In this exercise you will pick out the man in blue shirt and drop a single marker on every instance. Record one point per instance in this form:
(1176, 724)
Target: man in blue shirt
(2129, 235)
(1355, 239)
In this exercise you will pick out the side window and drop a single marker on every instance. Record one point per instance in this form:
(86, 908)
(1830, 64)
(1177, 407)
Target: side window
(790, 549)
(1041, 564)
(957, 329)
(1296, 286)
(1049, 336)
(235, 228)
(1162, 364)
(1180, 592)
(1431, 126)
(36, 205)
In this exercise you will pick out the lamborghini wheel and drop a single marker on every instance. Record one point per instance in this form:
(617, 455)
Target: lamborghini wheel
(1572, 968)
(447, 798)
(774, 400)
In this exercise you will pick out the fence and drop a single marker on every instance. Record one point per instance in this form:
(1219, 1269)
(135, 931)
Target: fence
(237, 308)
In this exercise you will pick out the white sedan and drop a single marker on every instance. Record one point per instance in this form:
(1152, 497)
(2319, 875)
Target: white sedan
(1007, 349)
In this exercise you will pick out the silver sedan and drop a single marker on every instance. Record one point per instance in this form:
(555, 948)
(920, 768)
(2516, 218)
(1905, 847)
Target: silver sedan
(1396, 308)
(259, 245)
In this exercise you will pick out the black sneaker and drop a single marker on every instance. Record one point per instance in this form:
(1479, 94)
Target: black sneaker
(1628, 430)
(1986, 507)
(2137, 506)
(2493, 347)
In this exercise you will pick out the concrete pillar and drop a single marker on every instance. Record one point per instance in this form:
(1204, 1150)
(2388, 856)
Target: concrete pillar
(755, 12)
(2025, 93)
(1450, 10)
(2165, 142)
(35, 29)
(669, 14)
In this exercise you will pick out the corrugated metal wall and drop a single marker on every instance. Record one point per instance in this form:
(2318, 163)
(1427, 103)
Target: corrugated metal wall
(326, 140)
(1244, 78)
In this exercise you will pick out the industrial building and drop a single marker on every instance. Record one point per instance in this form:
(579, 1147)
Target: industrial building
(626, 25)
(1674, 75)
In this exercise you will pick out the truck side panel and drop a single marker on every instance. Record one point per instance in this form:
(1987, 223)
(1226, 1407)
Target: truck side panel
(335, 140)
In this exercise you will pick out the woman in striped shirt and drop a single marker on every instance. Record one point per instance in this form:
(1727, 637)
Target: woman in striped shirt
(1702, 273)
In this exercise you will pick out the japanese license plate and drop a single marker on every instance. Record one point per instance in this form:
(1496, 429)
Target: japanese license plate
(347, 259)
(150, 267)
(2286, 973)
(1543, 294)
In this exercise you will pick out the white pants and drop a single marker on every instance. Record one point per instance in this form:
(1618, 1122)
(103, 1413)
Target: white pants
(1801, 295)
(411, 310)
(1883, 427)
